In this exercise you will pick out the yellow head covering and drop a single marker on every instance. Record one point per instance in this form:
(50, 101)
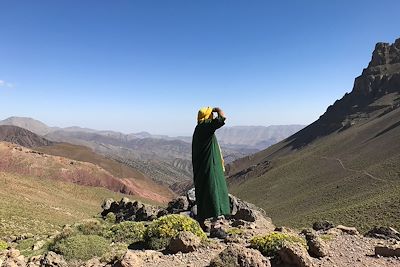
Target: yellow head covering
(204, 114)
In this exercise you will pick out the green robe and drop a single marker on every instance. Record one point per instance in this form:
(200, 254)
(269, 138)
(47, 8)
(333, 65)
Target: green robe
(211, 191)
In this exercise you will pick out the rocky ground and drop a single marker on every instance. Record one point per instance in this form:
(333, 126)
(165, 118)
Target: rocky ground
(230, 242)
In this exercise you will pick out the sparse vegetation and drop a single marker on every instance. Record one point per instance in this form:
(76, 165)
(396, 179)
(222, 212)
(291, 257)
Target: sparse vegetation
(3, 245)
(81, 247)
(235, 231)
(127, 232)
(160, 231)
(270, 244)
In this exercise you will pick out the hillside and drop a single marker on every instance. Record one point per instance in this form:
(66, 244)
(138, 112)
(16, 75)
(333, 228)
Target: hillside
(40, 193)
(23, 161)
(20, 136)
(343, 167)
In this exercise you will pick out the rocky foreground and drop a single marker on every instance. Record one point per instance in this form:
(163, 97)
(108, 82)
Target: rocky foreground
(133, 234)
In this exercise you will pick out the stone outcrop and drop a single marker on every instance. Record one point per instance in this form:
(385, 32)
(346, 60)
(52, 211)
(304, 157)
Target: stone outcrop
(127, 210)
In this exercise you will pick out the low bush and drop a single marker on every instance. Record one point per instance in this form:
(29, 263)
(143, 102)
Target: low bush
(3, 245)
(110, 218)
(81, 247)
(160, 231)
(91, 227)
(128, 232)
(270, 244)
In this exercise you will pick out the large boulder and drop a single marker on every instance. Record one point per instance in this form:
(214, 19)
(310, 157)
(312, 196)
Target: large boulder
(295, 255)
(323, 225)
(107, 203)
(238, 256)
(347, 230)
(316, 247)
(180, 204)
(383, 233)
(388, 251)
(130, 259)
(185, 242)
(242, 210)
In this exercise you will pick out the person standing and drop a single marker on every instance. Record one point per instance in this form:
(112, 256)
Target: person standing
(208, 166)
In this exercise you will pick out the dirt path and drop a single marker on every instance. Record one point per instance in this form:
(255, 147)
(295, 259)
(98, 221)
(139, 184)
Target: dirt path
(353, 170)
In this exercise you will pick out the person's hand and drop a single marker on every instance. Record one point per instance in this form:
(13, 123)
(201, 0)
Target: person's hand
(219, 111)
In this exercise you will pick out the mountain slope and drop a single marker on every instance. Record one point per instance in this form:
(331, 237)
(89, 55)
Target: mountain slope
(30, 124)
(20, 136)
(345, 166)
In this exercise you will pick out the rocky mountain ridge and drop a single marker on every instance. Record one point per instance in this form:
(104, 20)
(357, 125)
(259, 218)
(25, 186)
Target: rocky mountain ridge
(347, 160)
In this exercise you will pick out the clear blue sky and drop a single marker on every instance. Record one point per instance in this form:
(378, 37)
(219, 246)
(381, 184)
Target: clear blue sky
(150, 65)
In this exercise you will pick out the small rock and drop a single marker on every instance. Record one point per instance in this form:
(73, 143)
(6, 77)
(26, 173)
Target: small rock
(238, 256)
(237, 223)
(218, 233)
(316, 247)
(185, 242)
(130, 259)
(107, 204)
(191, 196)
(348, 230)
(178, 205)
(295, 255)
(93, 263)
(245, 214)
(388, 251)
(193, 211)
(52, 259)
(323, 225)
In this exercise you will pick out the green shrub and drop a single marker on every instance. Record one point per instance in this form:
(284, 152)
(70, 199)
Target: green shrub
(169, 226)
(160, 231)
(235, 231)
(128, 232)
(270, 244)
(81, 247)
(3, 245)
(110, 218)
(91, 227)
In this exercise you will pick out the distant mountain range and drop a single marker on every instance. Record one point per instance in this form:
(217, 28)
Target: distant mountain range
(344, 167)
(165, 159)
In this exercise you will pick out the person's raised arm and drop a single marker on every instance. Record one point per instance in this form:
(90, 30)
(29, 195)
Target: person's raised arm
(219, 121)
(219, 112)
